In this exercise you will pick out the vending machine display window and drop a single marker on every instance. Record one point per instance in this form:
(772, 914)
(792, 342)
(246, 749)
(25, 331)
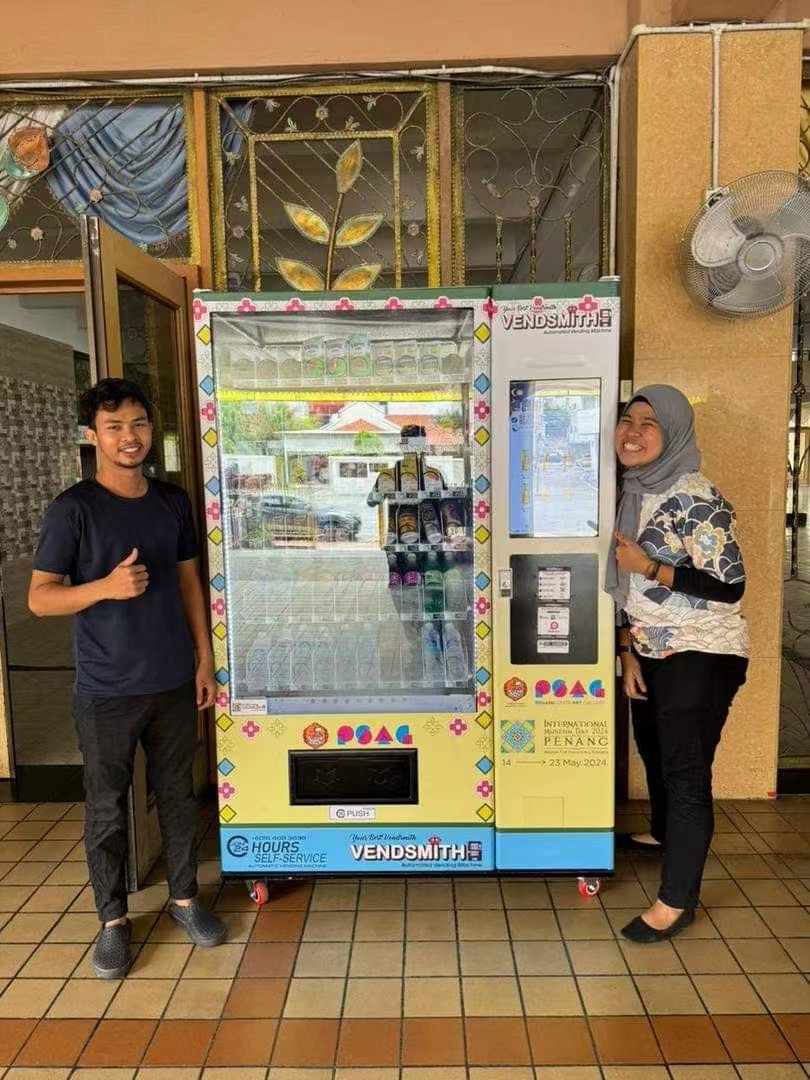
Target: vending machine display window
(554, 458)
(345, 453)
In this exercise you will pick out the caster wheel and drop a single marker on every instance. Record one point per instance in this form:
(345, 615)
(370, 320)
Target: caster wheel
(259, 893)
(589, 886)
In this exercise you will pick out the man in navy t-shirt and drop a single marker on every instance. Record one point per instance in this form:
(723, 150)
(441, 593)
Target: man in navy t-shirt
(120, 553)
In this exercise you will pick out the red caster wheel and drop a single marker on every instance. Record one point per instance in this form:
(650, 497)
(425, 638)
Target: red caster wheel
(588, 886)
(259, 892)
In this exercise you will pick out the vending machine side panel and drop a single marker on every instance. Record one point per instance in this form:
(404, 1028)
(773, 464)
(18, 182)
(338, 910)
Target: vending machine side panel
(555, 389)
(419, 779)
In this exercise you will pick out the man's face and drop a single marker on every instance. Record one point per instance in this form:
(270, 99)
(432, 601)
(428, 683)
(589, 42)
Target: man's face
(123, 437)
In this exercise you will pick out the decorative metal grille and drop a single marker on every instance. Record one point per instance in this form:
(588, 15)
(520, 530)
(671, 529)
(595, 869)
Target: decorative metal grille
(530, 183)
(124, 158)
(326, 187)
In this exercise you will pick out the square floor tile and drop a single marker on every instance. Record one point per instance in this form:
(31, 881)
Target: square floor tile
(13, 1034)
(83, 998)
(706, 957)
(669, 994)
(533, 925)
(274, 925)
(432, 1042)
(370, 998)
(491, 996)
(270, 960)
(767, 892)
(219, 963)
(314, 997)
(722, 893)
(752, 1038)
(55, 1043)
(26, 928)
(439, 957)
(329, 926)
(429, 895)
(642, 960)
(525, 894)
(787, 921)
(322, 959)
(689, 1039)
(365, 1043)
(380, 926)
(182, 1042)
(478, 895)
(563, 1041)
(431, 925)
(140, 999)
(381, 895)
(500, 1041)
(160, 961)
(13, 957)
(52, 961)
(771, 1072)
(704, 1072)
(29, 997)
(482, 925)
(52, 898)
(541, 958)
(596, 958)
(242, 1043)
(584, 925)
(251, 999)
(728, 994)
(764, 955)
(486, 958)
(307, 1043)
(335, 896)
(550, 996)
(198, 999)
(739, 922)
(797, 1031)
(783, 993)
(377, 958)
(439, 997)
(624, 1040)
(609, 995)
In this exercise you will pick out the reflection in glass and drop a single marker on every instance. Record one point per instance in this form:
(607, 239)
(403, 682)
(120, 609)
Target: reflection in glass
(347, 510)
(554, 457)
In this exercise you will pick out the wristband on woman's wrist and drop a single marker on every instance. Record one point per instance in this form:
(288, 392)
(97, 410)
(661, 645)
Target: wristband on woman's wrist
(651, 573)
(625, 649)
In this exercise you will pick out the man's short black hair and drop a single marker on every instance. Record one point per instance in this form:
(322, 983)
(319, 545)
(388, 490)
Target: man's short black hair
(108, 395)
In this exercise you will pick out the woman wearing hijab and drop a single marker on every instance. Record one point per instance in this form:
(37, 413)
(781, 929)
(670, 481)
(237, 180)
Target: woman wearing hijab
(677, 578)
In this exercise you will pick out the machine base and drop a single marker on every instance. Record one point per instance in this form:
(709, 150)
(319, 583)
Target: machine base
(564, 849)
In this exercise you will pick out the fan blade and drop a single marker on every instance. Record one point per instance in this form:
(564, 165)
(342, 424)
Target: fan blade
(753, 295)
(716, 239)
(792, 219)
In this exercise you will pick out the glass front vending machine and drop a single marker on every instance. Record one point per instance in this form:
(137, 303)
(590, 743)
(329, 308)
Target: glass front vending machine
(406, 500)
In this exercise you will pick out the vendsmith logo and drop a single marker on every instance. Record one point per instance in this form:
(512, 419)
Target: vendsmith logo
(558, 689)
(587, 314)
(364, 735)
(433, 850)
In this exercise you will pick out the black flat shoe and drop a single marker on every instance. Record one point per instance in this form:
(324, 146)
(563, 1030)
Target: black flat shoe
(111, 958)
(641, 933)
(202, 926)
(626, 842)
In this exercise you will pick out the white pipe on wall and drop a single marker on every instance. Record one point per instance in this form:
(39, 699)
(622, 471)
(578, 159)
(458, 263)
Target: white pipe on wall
(614, 84)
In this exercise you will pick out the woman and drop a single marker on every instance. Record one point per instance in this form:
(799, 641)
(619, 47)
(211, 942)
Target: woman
(677, 578)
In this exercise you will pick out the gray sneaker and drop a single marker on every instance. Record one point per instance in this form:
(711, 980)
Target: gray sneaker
(202, 926)
(111, 958)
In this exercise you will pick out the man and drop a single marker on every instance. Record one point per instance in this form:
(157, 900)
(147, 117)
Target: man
(128, 548)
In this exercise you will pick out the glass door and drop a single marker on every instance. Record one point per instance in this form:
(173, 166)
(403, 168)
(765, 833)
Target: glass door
(137, 311)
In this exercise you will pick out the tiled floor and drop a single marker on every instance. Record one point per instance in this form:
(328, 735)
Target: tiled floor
(417, 979)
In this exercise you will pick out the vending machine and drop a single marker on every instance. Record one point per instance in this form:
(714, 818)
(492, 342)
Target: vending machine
(408, 502)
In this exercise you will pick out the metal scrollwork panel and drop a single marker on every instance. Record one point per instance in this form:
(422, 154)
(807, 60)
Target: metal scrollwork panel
(332, 187)
(125, 158)
(530, 183)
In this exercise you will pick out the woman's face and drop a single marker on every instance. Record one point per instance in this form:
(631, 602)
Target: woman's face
(639, 439)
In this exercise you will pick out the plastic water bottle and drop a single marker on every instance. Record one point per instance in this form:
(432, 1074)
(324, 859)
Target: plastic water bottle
(302, 664)
(411, 588)
(434, 586)
(455, 655)
(278, 664)
(256, 668)
(432, 656)
(410, 647)
(345, 660)
(323, 661)
(455, 589)
(368, 657)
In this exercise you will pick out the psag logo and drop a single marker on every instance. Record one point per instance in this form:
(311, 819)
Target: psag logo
(547, 690)
(364, 735)
(515, 689)
(237, 846)
(315, 735)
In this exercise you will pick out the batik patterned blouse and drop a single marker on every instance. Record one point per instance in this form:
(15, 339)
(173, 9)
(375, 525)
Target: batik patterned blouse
(690, 525)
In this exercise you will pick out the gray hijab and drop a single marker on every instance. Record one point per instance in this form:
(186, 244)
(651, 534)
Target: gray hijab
(679, 456)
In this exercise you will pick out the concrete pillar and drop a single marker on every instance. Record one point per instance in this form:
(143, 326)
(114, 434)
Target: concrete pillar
(737, 373)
